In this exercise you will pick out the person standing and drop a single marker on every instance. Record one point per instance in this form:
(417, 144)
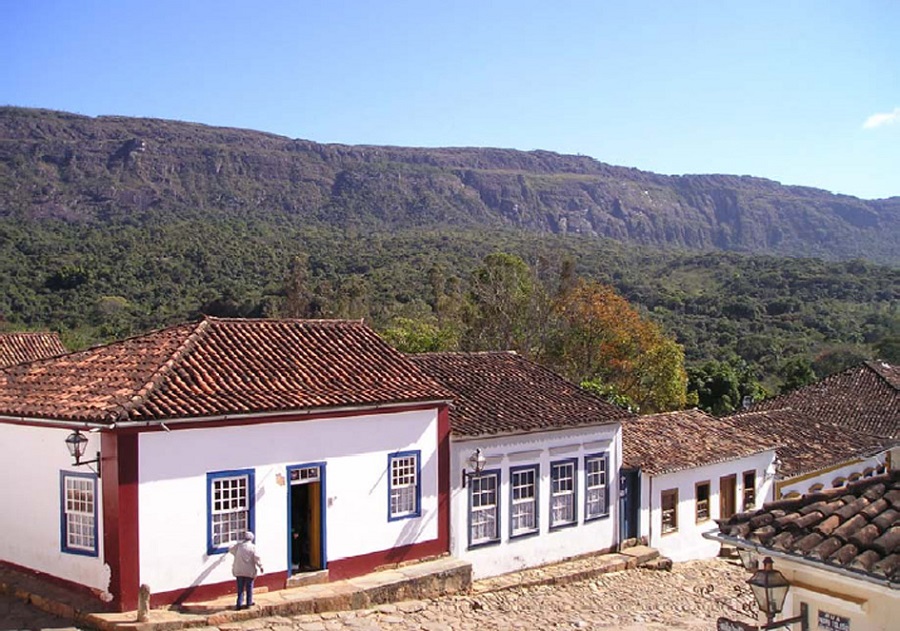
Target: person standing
(246, 562)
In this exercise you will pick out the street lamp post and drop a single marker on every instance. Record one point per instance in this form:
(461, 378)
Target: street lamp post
(770, 588)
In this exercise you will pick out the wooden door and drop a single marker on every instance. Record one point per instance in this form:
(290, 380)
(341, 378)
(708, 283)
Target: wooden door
(727, 496)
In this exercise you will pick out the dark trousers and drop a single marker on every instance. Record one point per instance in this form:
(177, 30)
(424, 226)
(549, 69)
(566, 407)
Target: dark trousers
(244, 587)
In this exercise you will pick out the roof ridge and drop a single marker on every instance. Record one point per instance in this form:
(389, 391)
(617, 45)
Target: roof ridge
(166, 368)
(875, 366)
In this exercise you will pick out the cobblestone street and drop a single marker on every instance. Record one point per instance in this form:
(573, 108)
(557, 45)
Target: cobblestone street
(630, 600)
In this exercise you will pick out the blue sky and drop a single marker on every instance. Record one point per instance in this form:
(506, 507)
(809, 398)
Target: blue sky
(803, 92)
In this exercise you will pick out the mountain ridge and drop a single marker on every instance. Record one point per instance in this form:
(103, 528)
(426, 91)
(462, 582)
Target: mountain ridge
(109, 169)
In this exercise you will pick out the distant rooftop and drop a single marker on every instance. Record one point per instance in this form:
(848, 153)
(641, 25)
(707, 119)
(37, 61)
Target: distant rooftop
(18, 348)
(673, 441)
(504, 393)
(864, 398)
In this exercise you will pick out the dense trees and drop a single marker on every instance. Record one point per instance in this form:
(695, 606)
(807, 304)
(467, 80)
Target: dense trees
(97, 283)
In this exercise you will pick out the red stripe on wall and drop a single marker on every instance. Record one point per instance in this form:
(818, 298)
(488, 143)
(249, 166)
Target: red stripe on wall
(119, 477)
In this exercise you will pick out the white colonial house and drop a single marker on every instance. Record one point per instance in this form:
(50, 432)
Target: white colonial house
(305, 432)
(692, 469)
(839, 550)
(534, 462)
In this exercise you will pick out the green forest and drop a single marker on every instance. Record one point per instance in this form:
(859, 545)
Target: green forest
(751, 324)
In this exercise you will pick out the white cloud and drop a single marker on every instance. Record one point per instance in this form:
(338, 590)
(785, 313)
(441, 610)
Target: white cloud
(877, 120)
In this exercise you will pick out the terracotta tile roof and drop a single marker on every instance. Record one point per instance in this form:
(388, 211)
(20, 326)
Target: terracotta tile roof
(504, 393)
(865, 398)
(856, 528)
(216, 367)
(805, 441)
(673, 441)
(17, 348)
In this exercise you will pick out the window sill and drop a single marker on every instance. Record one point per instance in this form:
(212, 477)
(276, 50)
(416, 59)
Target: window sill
(483, 544)
(569, 524)
(673, 531)
(524, 535)
(596, 518)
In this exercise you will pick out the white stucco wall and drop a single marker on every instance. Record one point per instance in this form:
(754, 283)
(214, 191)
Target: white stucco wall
(803, 484)
(546, 546)
(30, 521)
(866, 606)
(687, 542)
(173, 468)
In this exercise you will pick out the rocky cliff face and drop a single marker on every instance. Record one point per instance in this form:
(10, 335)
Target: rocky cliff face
(111, 169)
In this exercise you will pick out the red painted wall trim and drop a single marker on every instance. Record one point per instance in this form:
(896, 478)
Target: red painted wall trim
(119, 477)
(444, 478)
(200, 593)
(366, 563)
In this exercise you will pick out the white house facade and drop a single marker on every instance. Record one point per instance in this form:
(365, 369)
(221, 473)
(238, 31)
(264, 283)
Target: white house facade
(299, 431)
(541, 497)
(685, 504)
(692, 469)
(545, 487)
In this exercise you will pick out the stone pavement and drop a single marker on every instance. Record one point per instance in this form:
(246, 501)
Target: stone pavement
(584, 593)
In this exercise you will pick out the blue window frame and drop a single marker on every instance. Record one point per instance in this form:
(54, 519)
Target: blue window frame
(596, 486)
(404, 485)
(563, 493)
(523, 500)
(484, 508)
(78, 513)
(230, 505)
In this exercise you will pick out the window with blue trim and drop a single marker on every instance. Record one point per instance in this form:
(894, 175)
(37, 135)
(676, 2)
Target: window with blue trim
(405, 489)
(596, 487)
(484, 508)
(523, 505)
(562, 493)
(78, 513)
(229, 508)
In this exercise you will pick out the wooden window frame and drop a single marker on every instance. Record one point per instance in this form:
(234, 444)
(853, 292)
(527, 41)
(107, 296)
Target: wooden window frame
(699, 518)
(673, 522)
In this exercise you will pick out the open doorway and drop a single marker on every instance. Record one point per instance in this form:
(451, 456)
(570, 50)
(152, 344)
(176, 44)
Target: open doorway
(306, 548)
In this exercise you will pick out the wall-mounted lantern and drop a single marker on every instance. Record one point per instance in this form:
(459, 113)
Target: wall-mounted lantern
(476, 464)
(77, 443)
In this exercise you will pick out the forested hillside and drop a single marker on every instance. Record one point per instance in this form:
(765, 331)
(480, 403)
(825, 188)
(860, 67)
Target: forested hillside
(114, 226)
(141, 171)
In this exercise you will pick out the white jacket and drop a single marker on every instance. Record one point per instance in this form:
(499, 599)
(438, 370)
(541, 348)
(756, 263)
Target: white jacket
(246, 560)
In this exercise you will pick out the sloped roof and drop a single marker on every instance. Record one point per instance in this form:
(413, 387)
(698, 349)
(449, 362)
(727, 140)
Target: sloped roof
(673, 441)
(504, 393)
(805, 441)
(17, 348)
(864, 398)
(856, 528)
(217, 367)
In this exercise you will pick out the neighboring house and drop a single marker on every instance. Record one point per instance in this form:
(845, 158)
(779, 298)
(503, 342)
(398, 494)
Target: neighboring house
(18, 348)
(839, 549)
(307, 432)
(551, 453)
(813, 453)
(691, 469)
(864, 399)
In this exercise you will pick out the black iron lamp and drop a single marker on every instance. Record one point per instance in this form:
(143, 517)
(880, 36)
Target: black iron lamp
(770, 588)
(77, 443)
(476, 464)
